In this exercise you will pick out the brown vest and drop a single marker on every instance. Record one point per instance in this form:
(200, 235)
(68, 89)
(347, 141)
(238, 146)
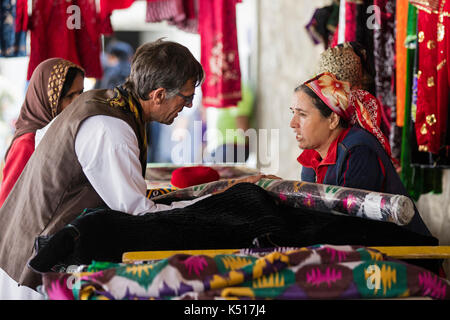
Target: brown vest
(52, 189)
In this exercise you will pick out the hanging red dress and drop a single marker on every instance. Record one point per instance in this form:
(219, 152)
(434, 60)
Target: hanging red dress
(433, 82)
(219, 53)
(350, 20)
(106, 9)
(68, 30)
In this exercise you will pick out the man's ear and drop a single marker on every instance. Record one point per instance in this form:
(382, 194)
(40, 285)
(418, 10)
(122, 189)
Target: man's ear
(158, 95)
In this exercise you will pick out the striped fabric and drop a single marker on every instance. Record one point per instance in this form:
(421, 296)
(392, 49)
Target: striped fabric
(160, 10)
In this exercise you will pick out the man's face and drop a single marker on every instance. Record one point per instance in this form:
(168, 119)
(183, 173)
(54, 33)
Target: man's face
(171, 107)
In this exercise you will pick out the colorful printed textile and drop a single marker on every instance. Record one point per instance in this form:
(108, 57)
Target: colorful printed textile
(355, 202)
(384, 63)
(318, 272)
(401, 57)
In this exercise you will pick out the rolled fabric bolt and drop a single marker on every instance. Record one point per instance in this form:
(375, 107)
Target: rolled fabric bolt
(378, 206)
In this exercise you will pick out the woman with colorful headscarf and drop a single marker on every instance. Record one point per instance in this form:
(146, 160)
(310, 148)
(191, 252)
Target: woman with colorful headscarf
(55, 83)
(338, 129)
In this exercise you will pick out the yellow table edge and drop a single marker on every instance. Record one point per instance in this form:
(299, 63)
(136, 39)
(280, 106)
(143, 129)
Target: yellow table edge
(416, 252)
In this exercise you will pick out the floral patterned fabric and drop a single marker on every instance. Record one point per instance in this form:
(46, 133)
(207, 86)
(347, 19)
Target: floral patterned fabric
(220, 56)
(361, 203)
(318, 272)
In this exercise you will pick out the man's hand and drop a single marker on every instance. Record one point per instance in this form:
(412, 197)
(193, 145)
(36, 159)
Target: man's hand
(271, 176)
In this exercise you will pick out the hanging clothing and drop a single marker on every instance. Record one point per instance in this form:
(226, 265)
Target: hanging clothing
(58, 30)
(384, 62)
(354, 16)
(21, 15)
(350, 20)
(162, 10)
(323, 23)
(339, 36)
(417, 180)
(219, 53)
(181, 13)
(400, 63)
(106, 9)
(426, 5)
(433, 82)
(12, 38)
(219, 46)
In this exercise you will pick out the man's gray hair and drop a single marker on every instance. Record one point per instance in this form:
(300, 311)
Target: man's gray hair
(162, 64)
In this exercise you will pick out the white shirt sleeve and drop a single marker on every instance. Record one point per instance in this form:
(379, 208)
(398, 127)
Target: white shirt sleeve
(108, 151)
(41, 132)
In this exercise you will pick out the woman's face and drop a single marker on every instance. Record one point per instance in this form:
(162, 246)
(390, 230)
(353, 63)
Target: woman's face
(312, 129)
(75, 90)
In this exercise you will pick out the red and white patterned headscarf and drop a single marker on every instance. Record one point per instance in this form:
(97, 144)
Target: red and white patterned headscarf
(353, 105)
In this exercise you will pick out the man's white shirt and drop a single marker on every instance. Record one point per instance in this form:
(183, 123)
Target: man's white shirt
(108, 151)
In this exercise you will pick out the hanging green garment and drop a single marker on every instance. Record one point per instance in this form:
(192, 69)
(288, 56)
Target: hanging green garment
(416, 179)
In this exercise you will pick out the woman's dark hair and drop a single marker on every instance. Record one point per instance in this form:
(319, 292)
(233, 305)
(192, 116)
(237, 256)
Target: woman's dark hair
(325, 111)
(70, 77)
(162, 64)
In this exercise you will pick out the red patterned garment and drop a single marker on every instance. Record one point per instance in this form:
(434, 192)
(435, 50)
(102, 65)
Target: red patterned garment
(384, 64)
(181, 13)
(55, 32)
(106, 9)
(433, 83)
(162, 10)
(21, 15)
(220, 56)
(350, 20)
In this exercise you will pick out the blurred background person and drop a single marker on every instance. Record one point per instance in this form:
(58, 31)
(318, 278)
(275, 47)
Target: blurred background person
(116, 64)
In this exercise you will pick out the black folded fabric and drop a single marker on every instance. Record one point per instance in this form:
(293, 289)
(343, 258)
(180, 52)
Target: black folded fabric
(244, 216)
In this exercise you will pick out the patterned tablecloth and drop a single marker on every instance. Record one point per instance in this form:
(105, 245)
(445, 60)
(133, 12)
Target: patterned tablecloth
(158, 176)
(318, 272)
